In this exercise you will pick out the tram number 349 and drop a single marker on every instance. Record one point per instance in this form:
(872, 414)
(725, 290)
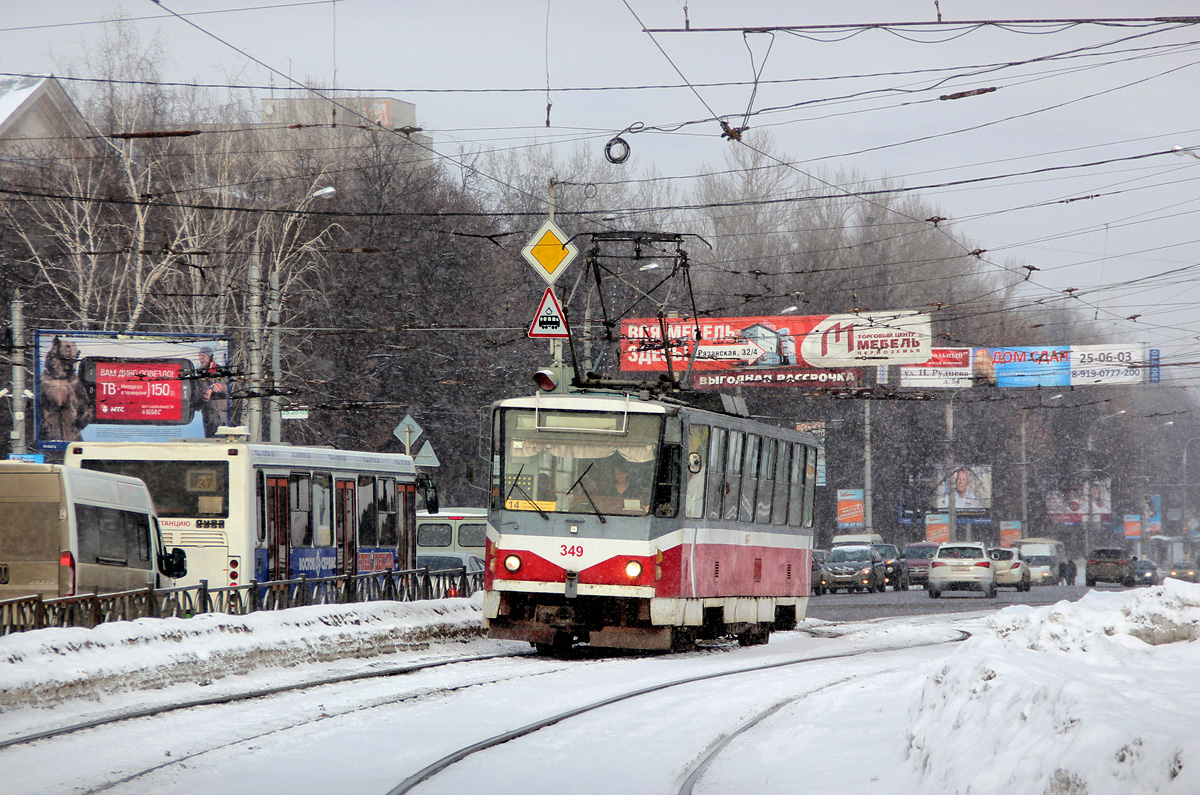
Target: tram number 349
(573, 551)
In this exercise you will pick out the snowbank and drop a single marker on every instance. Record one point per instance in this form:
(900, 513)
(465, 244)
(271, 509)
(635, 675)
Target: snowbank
(51, 666)
(1095, 696)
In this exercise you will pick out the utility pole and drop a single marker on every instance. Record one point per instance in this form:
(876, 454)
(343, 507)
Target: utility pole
(868, 521)
(273, 312)
(18, 374)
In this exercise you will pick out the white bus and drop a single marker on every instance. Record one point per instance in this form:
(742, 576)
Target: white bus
(65, 532)
(269, 511)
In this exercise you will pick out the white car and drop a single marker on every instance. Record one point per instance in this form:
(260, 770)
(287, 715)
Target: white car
(962, 566)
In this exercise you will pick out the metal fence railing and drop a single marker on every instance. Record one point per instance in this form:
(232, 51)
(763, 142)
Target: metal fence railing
(90, 610)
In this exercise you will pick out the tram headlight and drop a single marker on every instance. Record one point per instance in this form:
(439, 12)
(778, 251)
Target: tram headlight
(512, 563)
(633, 569)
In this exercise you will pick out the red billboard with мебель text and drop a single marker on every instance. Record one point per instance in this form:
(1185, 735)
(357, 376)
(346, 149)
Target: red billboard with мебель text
(776, 344)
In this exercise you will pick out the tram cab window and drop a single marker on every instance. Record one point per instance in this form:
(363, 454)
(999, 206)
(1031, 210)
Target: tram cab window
(322, 509)
(666, 489)
(696, 470)
(300, 507)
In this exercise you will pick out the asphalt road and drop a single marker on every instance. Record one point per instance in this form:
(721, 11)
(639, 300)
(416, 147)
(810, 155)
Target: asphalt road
(915, 601)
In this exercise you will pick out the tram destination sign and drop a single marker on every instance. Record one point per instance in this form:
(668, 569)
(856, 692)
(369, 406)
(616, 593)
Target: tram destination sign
(777, 343)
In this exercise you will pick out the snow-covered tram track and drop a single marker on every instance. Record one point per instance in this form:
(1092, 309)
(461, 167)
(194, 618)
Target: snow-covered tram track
(246, 695)
(429, 771)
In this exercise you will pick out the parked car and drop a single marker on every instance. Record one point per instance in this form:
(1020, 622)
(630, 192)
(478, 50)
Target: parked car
(1182, 571)
(449, 561)
(1011, 570)
(917, 557)
(895, 572)
(818, 560)
(1108, 564)
(1145, 572)
(853, 567)
(962, 566)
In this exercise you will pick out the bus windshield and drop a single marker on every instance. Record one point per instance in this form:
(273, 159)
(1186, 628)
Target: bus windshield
(578, 461)
(185, 489)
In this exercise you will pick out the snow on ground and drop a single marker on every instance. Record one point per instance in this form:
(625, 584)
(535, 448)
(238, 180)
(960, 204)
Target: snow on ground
(1079, 698)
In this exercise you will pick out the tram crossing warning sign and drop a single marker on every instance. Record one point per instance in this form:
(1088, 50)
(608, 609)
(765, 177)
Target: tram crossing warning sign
(549, 252)
(549, 322)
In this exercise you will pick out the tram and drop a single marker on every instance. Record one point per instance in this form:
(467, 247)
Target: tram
(272, 511)
(629, 522)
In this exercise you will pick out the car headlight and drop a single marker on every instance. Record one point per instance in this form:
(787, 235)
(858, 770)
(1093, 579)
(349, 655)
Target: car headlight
(633, 569)
(866, 571)
(512, 563)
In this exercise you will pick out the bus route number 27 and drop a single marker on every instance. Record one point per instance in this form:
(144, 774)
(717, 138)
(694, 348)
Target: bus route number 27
(572, 550)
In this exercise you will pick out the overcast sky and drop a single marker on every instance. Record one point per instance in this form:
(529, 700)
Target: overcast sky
(1124, 92)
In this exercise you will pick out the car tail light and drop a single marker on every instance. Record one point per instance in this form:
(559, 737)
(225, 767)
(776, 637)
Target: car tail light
(1016, 565)
(937, 563)
(1123, 562)
(67, 561)
(1091, 562)
(987, 564)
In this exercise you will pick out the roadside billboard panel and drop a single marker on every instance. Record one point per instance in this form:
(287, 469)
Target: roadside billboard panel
(972, 487)
(1071, 506)
(1133, 525)
(1030, 366)
(850, 513)
(947, 368)
(817, 429)
(937, 528)
(97, 386)
(1010, 533)
(777, 343)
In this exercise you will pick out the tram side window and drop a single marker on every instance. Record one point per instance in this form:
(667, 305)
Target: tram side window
(766, 481)
(750, 478)
(111, 536)
(693, 503)
(300, 508)
(779, 499)
(715, 488)
(733, 475)
(666, 489)
(810, 485)
(385, 490)
(796, 492)
(368, 529)
(322, 509)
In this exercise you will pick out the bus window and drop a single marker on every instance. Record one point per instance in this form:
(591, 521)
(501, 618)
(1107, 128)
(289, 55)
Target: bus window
(385, 488)
(472, 534)
(368, 529)
(300, 508)
(191, 489)
(322, 510)
(344, 516)
(277, 528)
(434, 534)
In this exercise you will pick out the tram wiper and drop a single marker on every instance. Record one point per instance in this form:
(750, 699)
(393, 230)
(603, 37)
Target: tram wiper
(591, 502)
(517, 485)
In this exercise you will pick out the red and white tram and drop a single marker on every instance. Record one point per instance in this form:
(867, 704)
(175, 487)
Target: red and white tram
(630, 522)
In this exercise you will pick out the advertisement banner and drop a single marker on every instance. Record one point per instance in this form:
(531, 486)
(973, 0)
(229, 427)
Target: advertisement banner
(1010, 533)
(1152, 510)
(1071, 507)
(1133, 525)
(97, 386)
(972, 487)
(1044, 366)
(796, 376)
(937, 528)
(947, 368)
(850, 509)
(777, 342)
(817, 429)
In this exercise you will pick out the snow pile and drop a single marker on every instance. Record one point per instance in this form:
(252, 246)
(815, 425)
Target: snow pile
(51, 666)
(1085, 698)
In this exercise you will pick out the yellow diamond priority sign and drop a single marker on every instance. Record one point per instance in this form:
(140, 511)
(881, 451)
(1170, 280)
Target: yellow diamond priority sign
(549, 252)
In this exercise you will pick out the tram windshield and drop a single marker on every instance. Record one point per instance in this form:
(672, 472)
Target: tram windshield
(578, 461)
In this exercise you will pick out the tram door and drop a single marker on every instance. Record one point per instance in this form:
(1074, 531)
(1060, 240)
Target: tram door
(343, 526)
(277, 527)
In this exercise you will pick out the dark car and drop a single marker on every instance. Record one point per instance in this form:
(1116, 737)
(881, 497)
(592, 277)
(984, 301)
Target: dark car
(917, 557)
(1145, 572)
(1109, 564)
(895, 569)
(1182, 571)
(855, 567)
(451, 561)
(818, 560)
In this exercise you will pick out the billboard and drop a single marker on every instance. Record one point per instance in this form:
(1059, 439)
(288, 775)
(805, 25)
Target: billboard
(1071, 506)
(937, 528)
(1133, 525)
(850, 513)
(1010, 533)
(1152, 511)
(99, 386)
(972, 488)
(777, 350)
(1030, 366)
(817, 429)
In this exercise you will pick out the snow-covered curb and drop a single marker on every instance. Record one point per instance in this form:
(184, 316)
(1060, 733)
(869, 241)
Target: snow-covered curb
(50, 666)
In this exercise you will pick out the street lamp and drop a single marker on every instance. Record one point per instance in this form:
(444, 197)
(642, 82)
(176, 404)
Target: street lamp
(1025, 467)
(950, 468)
(1091, 438)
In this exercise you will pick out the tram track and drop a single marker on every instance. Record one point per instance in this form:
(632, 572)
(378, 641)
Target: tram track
(447, 761)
